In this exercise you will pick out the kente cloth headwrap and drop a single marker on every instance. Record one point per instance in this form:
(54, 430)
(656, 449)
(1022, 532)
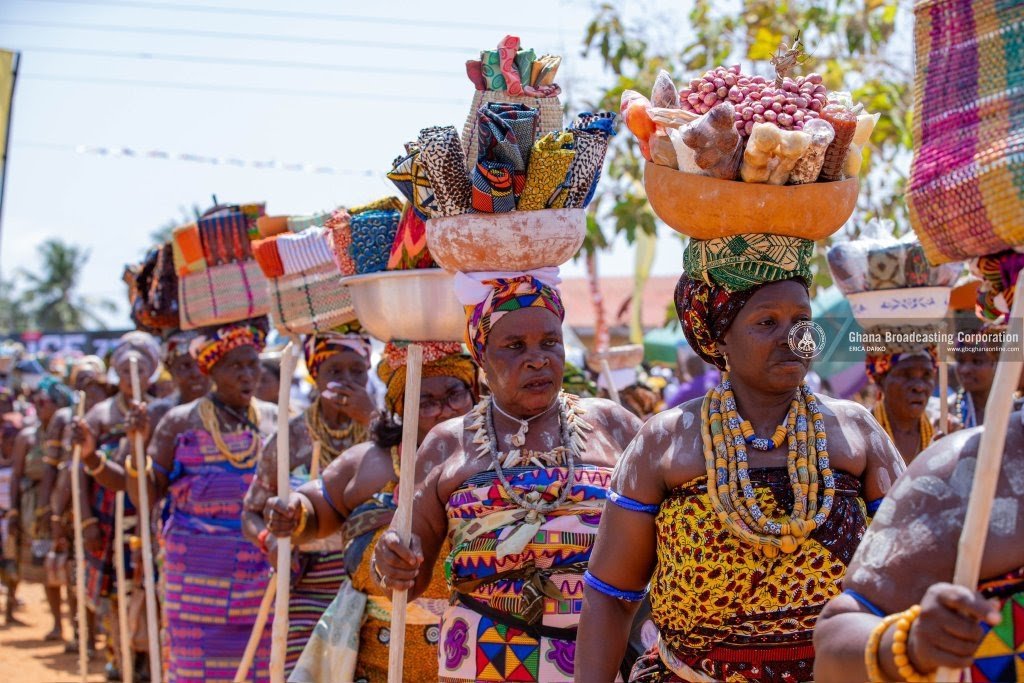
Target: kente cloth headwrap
(488, 297)
(744, 261)
(210, 347)
(56, 391)
(878, 365)
(320, 347)
(88, 364)
(177, 344)
(999, 277)
(141, 343)
(706, 313)
(440, 359)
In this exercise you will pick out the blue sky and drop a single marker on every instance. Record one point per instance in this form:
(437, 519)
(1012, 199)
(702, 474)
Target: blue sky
(326, 84)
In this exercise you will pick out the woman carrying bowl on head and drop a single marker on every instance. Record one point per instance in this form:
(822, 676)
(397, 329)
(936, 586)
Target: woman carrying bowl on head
(516, 487)
(338, 418)
(356, 499)
(738, 570)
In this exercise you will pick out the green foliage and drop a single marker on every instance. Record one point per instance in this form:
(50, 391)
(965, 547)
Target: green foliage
(849, 43)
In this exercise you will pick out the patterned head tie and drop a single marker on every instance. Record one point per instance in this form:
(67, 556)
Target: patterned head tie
(56, 391)
(878, 365)
(440, 359)
(722, 275)
(319, 347)
(998, 273)
(142, 344)
(209, 347)
(488, 297)
(177, 344)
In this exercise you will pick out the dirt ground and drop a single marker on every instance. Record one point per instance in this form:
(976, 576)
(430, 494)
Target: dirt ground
(26, 658)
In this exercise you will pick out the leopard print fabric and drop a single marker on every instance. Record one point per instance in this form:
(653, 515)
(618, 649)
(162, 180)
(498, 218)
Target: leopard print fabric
(441, 156)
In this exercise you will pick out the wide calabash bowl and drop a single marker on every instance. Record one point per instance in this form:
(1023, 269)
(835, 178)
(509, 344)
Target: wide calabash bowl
(513, 241)
(408, 305)
(705, 208)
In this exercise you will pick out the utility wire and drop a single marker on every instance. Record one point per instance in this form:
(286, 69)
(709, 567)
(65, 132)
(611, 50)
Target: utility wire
(288, 14)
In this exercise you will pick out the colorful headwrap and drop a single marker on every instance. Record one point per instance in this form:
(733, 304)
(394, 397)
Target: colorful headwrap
(87, 364)
(211, 346)
(878, 365)
(177, 344)
(56, 391)
(141, 343)
(999, 277)
(490, 296)
(319, 347)
(440, 359)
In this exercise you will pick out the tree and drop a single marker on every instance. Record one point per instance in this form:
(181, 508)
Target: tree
(850, 43)
(50, 296)
(13, 316)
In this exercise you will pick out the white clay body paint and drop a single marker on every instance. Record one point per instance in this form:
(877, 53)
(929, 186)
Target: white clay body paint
(687, 419)
(1004, 517)
(963, 477)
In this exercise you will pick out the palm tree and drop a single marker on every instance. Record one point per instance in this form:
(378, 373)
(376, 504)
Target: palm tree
(13, 316)
(50, 295)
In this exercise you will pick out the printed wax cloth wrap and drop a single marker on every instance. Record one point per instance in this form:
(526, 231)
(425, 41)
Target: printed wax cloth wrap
(966, 190)
(373, 233)
(410, 177)
(506, 133)
(878, 365)
(225, 238)
(549, 108)
(513, 69)
(209, 347)
(222, 294)
(550, 160)
(339, 236)
(898, 266)
(409, 250)
(319, 347)
(488, 297)
(440, 359)
(743, 261)
(442, 156)
(592, 133)
(998, 273)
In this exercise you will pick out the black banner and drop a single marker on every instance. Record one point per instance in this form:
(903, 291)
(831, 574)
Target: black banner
(98, 342)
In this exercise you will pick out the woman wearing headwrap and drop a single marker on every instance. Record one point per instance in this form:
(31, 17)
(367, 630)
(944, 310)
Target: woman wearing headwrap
(103, 435)
(31, 498)
(905, 379)
(338, 418)
(516, 487)
(737, 569)
(355, 498)
(203, 457)
(190, 383)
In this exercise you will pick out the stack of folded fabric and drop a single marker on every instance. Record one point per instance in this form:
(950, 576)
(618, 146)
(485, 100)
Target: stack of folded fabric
(218, 280)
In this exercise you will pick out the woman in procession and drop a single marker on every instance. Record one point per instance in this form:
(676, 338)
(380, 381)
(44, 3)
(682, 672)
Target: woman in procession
(742, 508)
(356, 498)
(906, 380)
(516, 488)
(338, 418)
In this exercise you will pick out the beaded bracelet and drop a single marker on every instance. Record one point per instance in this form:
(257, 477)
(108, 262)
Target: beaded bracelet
(901, 655)
(611, 591)
(301, 526)
(874, 641)
(92, 472)
(86, 523)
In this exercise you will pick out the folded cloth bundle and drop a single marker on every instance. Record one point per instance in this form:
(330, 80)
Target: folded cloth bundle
(592, 132)
(409, 250)
(550, 160)
(409, 176)
(506, 133)
(187, 249)
(515, 70)
(493, 187)
(268, 256)
(225, 238)
(300, 223)
(373, 233)
(250, 212)
(442, 156)
(339, 236)
(306, 250)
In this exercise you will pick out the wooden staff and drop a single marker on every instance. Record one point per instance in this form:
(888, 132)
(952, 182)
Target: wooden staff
(990, 459)
(402, 522)
(127, 665)
(606, 370)
(242, 675)
(279, 641)
(76, 503)
(148, 575)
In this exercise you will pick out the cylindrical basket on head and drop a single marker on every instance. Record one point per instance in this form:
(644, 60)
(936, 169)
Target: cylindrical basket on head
(966, 190)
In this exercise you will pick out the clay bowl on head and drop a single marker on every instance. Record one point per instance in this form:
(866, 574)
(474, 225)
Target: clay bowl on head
(705, 208)
(517, 240)
(619, 358)
(408, 305)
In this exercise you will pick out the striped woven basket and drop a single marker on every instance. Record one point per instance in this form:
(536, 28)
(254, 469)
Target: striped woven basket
(550, 116)
(311, 301)
(966, 192)
(222, 294)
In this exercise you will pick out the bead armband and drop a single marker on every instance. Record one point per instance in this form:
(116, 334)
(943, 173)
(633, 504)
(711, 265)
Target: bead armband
(611, 591)
(632, 505)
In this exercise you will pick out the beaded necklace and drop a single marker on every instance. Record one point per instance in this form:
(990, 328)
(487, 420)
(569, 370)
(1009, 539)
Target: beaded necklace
(332, 441)
(965, 409)
(211, 423)
(732, 493)
(924, 426)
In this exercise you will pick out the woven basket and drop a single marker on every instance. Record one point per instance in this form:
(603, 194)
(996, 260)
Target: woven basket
(222, 294)
(550, 109)
(966, 191)
(311, 301)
